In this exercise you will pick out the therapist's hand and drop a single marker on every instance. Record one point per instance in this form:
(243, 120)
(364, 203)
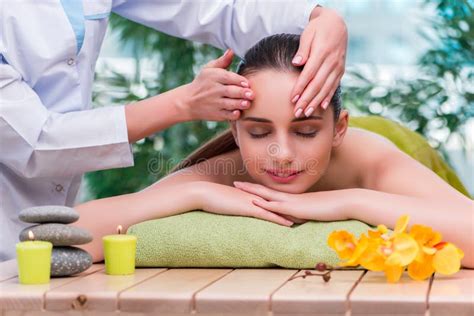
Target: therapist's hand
(322, 51)
(217, 94)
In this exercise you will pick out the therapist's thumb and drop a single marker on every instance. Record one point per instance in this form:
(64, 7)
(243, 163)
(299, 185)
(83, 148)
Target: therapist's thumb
(222, 62)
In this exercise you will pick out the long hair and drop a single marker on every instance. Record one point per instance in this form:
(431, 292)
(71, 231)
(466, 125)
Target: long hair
(273, 52)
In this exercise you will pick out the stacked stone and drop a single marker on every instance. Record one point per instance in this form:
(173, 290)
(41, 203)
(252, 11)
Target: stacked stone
(52, 226)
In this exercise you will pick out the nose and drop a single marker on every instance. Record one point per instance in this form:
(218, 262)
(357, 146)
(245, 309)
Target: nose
(281, 151)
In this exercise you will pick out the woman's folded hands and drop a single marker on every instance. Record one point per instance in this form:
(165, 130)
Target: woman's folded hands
(227, 200)
(319, 206)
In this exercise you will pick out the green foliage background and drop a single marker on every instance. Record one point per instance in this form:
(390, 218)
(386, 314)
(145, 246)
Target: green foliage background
(422, 104)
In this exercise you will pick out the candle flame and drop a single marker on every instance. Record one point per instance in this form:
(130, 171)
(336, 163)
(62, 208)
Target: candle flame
(31, 236)
(119, 229)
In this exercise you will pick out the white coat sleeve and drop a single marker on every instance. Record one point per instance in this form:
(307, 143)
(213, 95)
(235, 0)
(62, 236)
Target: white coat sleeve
(35, 142)
(236, 24)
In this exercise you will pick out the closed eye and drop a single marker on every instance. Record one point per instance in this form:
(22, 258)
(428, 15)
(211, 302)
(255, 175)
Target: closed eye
(258, 135)
(308, 135)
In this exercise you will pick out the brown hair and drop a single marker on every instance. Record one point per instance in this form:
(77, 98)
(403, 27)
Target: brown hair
(272, 52)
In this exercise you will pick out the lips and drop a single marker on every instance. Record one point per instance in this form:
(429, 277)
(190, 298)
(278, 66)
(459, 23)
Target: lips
(283, 173)
(283, 176)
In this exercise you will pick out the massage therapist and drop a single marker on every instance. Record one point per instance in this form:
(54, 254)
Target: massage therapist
(50, 136)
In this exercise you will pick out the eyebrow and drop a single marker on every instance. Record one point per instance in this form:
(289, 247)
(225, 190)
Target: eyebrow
(297, 119)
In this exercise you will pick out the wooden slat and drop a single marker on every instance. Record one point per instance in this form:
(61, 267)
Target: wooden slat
(69, 313)
(15, 296)
(452, 295)
(89, 313)
(99, 291)
(243, 290)
(8, 269)
(169, 292)
(374, 295)
(314, 296)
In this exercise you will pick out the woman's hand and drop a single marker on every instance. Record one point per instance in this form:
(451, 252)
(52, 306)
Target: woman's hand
(217, 94)
(222, 199)
(319, 206)
(322, 51)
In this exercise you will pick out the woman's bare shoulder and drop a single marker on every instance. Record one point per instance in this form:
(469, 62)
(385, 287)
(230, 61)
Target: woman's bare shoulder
(223, 169)
(364, 145)
(359, 153)
(356, 137)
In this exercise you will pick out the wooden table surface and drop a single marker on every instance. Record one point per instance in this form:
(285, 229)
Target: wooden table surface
(160, 291)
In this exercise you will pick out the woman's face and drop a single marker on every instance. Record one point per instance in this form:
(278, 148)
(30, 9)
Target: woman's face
(280, 151)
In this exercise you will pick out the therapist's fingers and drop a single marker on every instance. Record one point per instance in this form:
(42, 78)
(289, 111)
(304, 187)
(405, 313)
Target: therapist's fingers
(331, 82)
(327, 100)
(312, 89)
(235, 92)
(230, 115)
(235, 104)
(229, 78)
(304, 49)
(305, 77)
(222, 62)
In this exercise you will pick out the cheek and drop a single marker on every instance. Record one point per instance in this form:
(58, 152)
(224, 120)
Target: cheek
(314, 156)
(254, 155)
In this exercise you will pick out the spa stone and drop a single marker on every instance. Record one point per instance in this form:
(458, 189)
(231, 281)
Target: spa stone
(49, 214)
(58, 234)
(67, 261)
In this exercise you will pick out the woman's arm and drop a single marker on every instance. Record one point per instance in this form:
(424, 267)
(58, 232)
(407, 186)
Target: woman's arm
(101, 217)
(174, 194)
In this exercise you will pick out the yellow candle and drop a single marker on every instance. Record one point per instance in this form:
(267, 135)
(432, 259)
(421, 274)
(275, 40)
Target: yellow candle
(119, 253)
(34, 260)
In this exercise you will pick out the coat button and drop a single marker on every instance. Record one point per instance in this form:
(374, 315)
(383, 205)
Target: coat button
(70, 61)
(59, 188)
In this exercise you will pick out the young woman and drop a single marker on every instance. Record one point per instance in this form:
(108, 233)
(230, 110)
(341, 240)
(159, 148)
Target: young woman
(273, 166)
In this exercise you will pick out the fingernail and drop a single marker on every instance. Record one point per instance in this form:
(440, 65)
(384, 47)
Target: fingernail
(297, 60)
(227, 52)
(237, 183)
(290, 223)
(309, 111)
(295, 98)
(244, 84)
(244, 104)
(248, 94)
(298, 112)
(325, 104)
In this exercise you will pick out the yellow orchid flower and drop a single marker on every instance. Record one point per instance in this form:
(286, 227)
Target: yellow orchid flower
(390, 255)
(447, 260)
(434, 255)
(390, 252)
(360, 248)
(379, 251)
(421, 250)
(343, 242)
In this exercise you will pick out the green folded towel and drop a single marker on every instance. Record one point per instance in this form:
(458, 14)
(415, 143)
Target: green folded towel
(201, 239)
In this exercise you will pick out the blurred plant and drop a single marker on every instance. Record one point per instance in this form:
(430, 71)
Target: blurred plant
(441, 100)
(437, 104)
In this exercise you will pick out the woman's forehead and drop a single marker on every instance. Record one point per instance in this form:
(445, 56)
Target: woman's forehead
(272, 91)
(272, 99)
